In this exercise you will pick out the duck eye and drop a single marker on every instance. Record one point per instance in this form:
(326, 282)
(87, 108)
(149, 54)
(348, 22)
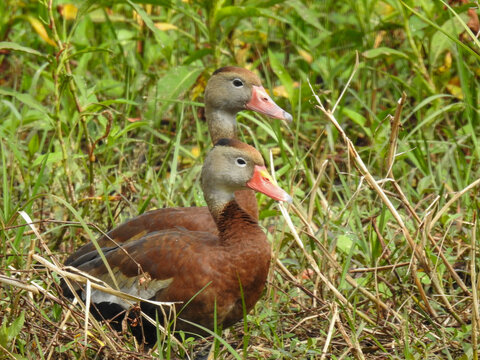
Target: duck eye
(237, 83)
(241, 162)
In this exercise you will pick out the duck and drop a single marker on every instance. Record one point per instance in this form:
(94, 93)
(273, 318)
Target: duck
(210, 277)
(229, 90)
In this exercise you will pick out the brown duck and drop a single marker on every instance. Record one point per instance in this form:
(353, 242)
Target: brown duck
(206, 273)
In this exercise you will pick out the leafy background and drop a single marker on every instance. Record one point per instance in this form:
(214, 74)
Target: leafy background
(101, 120)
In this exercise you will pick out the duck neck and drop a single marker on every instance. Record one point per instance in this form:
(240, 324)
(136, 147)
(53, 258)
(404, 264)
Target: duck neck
(233, 223)
(221, 124)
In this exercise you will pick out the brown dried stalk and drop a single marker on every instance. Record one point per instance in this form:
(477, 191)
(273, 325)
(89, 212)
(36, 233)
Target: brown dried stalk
(473, 275)
(361, 167)
(395, 127)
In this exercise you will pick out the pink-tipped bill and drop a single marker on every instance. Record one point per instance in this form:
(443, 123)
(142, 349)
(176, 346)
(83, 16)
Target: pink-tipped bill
(261, 102)
(261, 181)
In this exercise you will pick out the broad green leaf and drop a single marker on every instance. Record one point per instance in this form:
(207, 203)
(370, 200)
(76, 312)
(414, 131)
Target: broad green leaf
(240, 12)
(196, 55)
(431, 23)
(55, 157)
(440, 42)
(26, 99)
(357, 119)
(33, 144)
(89, 50)
(463, 23)
(16, 47)
(92, 107)
(128, 128)
(8, 333)
(383, 51)
(344, 243)
(165, 3)
(148, 21)
(263, 3)
(425, 184)
(175, 82)
(307, 14)
(4, 336)
(284, 76)
(16, 326)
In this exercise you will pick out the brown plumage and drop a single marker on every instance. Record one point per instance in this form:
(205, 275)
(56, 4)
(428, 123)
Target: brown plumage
(223, 100)
(211, 271)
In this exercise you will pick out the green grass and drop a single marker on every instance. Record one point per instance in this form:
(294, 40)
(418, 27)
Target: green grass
(106, 124)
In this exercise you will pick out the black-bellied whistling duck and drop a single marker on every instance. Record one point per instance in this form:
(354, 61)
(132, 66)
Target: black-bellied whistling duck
(229, 90)
(209, 272)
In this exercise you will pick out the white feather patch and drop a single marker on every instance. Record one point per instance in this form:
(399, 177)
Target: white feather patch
(140, 286)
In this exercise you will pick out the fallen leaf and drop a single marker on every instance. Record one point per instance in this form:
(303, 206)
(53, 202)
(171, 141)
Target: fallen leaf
(280, 91)
(306, 56)
(447, 63)
(454, 88)
(165, 26)
(68, 11)
(40, 30)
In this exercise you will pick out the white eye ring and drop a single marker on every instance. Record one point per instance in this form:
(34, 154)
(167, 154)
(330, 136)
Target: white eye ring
(237, 83)
(241, 162)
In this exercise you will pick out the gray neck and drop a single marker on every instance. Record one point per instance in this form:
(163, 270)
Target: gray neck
(221, 124)
(217, 198)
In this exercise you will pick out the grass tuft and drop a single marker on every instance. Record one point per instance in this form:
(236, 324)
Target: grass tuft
(101, 120)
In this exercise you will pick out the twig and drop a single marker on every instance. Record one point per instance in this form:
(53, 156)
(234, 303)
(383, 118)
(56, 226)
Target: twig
(19, 284)
(412, 212)
(454, 198)
(351, 345)
(395, 127)
(473, 274)
(379, 268)
(360, 165)
(315, 188)
(315, 267)
(330, 331)
(88, 294)
(332, 261)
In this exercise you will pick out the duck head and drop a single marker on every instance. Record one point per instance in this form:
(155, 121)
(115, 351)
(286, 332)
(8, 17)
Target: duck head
(230, 90)
(233, 165)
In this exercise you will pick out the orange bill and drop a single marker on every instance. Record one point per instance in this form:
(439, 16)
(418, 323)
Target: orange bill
(261, 181)
(261, 102)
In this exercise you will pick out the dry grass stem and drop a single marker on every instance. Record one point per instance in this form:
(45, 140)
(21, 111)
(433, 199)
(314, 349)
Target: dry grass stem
(331, 260)
(395, 127)
(333, 321)
(314, 190)
(315, 267)
(379, 268)
(420, 255)
(475, 303)
(449, 203)
(419, 222)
